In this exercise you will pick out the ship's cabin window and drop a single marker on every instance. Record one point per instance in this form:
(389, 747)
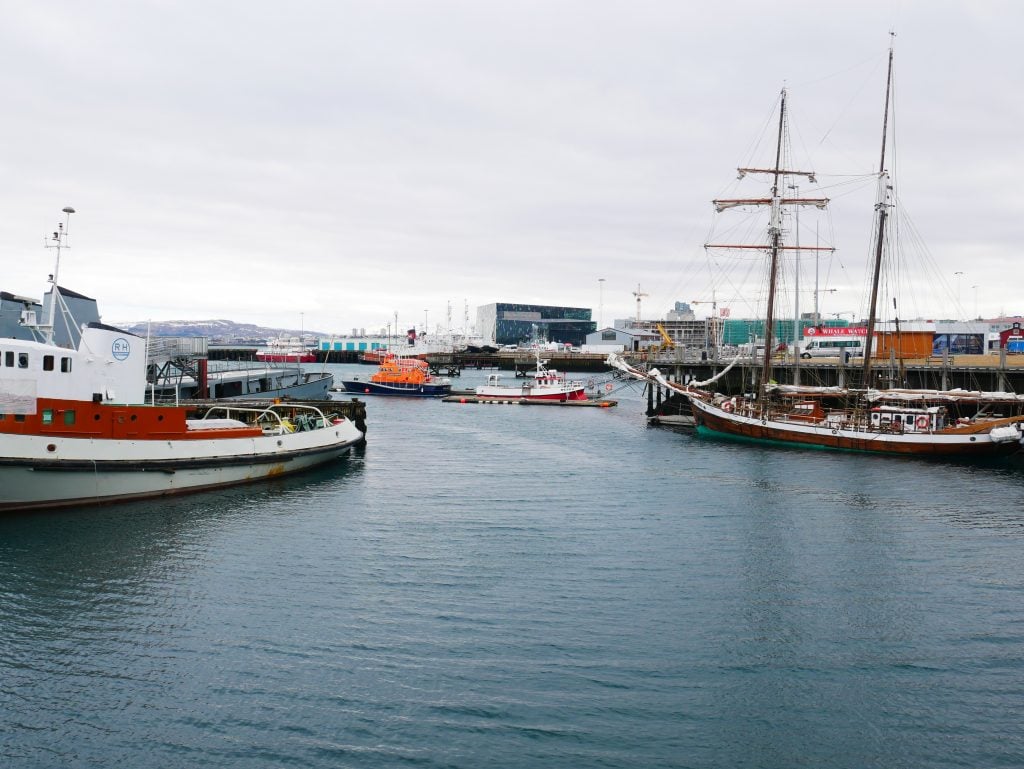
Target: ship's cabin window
(65, 365)
(47, 363)
(9, 359)
(22, 360)
(47, 416)
(19, 417)
(69, 417)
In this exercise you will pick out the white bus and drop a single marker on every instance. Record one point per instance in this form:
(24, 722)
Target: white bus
(833, 347)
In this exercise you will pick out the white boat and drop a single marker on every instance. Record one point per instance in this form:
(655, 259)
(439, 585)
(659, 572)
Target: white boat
(236, 380)
(74, 428)
(542, 384)
(286, 350)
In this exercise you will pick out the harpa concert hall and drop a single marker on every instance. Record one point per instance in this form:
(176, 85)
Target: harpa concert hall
(508, 323)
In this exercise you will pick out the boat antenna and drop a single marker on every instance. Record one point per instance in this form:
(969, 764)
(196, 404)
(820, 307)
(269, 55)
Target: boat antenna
(58, 240)
(882, 208)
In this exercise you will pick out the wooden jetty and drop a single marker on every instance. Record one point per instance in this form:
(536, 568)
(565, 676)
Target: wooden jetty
(992, 373)
(469, 397)
(1004, 373)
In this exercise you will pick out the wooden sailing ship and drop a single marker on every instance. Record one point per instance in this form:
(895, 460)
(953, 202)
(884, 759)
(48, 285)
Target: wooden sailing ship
(871, 419)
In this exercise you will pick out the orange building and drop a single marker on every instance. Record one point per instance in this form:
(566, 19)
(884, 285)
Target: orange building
(914, 340)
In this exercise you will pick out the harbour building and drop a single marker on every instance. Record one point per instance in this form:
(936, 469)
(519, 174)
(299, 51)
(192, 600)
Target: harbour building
(14, 310)
(20, 314)
(508, 323)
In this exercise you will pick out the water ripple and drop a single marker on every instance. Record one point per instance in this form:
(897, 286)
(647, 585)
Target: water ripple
(525, 587)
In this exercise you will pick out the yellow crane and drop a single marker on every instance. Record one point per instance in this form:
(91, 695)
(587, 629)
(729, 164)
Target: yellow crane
(667, 343)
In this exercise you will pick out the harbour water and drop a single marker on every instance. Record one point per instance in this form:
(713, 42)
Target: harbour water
(514, 586)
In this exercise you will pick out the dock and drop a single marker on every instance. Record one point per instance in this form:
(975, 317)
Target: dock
(970, 372)
(469, 397)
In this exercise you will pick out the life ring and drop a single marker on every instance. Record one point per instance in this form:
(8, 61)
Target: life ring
(728, 406)
(608, 387)
(922, 422)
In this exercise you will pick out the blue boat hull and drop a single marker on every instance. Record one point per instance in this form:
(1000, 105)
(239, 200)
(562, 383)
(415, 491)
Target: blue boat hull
(367, 387)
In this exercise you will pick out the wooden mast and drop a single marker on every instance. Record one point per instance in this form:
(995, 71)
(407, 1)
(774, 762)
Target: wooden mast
(775, 230)
(882, 208)
(775, 246)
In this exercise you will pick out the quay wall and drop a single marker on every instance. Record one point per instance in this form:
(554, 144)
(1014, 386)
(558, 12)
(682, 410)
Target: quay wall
(969, 372)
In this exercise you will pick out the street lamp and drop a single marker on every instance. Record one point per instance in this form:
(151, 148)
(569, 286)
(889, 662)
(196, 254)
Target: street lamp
(817, 293)
(959, 280)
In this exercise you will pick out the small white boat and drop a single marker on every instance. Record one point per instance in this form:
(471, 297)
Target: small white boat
(542, 384)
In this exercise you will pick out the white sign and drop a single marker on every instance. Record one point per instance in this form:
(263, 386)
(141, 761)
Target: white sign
(120, 348)
(836, 331)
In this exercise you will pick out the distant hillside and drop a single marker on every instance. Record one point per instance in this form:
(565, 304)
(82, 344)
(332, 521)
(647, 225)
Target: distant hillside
(216, 330)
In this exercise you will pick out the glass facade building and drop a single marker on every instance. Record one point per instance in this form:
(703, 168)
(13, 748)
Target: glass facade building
(741, 331)
(508, 323)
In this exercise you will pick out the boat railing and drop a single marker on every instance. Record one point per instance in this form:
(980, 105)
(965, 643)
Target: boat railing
(250, 365)
(277, 418)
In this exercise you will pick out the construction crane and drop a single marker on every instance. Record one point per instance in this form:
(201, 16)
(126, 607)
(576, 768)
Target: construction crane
(717, 325)
(666, 343)
(712, 302)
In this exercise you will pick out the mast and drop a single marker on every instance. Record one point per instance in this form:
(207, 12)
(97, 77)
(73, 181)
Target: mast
(775, 246)
(882, 208)
(775, 232)
(58, 241)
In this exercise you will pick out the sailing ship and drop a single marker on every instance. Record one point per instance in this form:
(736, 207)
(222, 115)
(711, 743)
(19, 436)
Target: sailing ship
(952, 423)
(75, 429)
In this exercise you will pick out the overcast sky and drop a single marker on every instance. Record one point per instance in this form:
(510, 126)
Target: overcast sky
(332, 163)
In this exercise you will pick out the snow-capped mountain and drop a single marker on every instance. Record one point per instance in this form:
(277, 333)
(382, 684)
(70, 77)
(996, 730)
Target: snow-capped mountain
(219, 330)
